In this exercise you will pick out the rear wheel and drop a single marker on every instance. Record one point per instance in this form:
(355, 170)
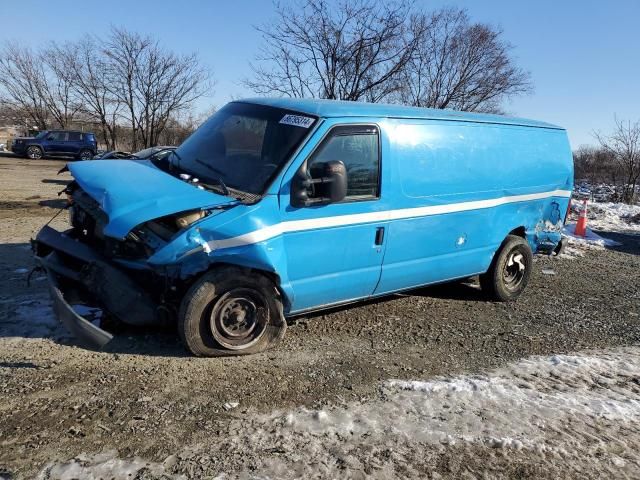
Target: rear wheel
(231, 311)
(34, 153)
(510, 270)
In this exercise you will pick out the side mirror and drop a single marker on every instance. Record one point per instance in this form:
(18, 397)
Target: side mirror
(50, 138)
(326, 183)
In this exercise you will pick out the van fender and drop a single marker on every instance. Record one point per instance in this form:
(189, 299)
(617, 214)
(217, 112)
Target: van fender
(267, 257)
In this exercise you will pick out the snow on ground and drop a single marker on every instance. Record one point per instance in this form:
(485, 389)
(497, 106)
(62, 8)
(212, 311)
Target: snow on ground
(567, 406)
(614, 217)
(33, 317)
(606, 217)
(590, 240)
(103, 466)
(579, 413)
(611, 217)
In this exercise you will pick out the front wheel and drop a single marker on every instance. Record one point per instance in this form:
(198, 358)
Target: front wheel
(510, 270)
(231, 311)
(34, 153)
(85, 154)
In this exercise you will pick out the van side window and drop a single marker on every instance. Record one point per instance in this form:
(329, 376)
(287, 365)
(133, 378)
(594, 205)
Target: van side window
(358, 148)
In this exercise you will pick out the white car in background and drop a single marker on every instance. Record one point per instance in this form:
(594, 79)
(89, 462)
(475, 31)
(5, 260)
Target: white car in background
(2, 147)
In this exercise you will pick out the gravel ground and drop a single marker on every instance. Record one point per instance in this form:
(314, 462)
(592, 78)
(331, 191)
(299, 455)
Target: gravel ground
(145, 408)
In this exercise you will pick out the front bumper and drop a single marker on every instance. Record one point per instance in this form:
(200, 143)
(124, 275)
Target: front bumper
(19, 149)
(84, 330)
(80, 276)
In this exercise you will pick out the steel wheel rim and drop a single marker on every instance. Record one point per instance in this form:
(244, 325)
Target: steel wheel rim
(514, 269)
(238, 318)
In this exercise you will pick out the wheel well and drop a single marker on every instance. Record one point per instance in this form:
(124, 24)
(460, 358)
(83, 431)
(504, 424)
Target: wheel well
(520, 232)
(273, 276)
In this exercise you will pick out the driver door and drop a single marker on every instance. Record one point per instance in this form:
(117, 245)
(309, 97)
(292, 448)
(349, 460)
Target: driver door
(55, 142)
(332, 256)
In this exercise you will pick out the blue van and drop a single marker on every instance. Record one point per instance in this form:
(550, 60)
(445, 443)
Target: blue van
(275, 207)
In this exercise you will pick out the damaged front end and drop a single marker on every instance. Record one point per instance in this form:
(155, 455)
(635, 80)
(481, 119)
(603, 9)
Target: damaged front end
(90, 270)
(80, 276)
(86, 268)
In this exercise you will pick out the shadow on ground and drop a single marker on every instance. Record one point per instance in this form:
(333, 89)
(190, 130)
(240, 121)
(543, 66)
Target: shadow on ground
(56, 181)
(7, 154)
(627, 243)
(27, 312)
(464, 290)
(54, 203)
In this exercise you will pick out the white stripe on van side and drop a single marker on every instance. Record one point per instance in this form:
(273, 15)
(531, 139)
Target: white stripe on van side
(341, 220)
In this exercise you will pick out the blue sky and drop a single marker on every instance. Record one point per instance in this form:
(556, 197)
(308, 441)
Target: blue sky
(584, 56)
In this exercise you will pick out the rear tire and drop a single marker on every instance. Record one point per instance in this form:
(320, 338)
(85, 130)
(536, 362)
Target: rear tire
(231, 311)
(510, 270)
(34, 153)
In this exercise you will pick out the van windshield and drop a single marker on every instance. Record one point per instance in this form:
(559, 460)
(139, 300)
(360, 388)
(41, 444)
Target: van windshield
(243, 146)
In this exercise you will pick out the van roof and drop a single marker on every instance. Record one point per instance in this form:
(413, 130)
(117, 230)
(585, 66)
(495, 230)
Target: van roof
(339, 108)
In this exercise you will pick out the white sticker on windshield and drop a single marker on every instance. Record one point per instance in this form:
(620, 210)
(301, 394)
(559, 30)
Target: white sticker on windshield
(297, 121)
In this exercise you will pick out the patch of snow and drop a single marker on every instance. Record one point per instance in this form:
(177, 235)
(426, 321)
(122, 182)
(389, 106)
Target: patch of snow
(616, 217)
(104, 466)
(580, 411)
(590, 240)
(564, 404)
(31, 317)
(522, 402)
(611, 217)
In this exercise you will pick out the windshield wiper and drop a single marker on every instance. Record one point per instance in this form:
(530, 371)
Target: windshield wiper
(216, 179)
(220, 183)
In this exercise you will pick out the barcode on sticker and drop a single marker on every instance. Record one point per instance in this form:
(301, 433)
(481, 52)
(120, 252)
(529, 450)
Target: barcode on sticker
(297, 121)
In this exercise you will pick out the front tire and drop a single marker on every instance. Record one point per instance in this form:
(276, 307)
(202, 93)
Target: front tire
(510, 270)
(231, 311)
(34, 153)
(85, 154)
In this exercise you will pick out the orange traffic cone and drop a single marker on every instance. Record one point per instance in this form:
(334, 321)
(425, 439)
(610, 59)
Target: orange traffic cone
(581, 226)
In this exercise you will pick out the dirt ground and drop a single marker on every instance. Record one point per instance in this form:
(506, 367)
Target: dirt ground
(143, 408)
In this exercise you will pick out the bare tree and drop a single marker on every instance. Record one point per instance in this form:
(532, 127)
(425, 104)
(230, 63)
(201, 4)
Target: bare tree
(460, 65)
(596, 165)
(22, 76)
(123, 52)
(88, 71)
(351, 51)
(56, 88)
(151, 83)
(368, 50)
(38, 84)
(624, 145)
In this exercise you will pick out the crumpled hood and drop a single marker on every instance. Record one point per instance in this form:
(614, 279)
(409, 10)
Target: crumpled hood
(133, 192)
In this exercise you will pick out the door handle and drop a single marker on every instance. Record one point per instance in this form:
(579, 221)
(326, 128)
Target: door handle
(379, 235)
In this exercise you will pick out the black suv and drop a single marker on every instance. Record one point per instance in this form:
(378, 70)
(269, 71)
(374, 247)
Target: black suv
(67, 143)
